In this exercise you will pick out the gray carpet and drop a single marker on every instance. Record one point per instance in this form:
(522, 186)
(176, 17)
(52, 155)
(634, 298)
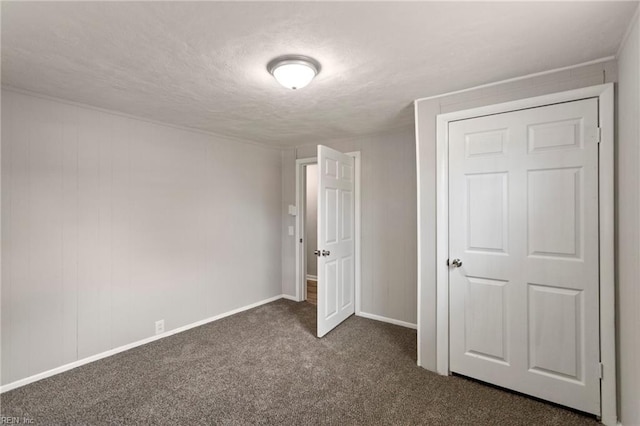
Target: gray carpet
(265, 366)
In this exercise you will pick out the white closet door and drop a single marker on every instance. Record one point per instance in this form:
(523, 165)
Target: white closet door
(524, 296)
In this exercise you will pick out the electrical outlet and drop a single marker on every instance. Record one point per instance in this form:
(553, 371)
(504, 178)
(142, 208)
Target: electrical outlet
(159, 326)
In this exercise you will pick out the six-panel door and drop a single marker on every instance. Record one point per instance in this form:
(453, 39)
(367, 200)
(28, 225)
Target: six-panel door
(524, 309)
(336, 238)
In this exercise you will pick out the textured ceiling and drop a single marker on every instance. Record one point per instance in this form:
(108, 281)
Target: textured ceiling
(202, 64)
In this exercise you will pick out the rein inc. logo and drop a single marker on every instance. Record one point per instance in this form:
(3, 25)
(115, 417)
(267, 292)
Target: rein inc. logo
(6, 420)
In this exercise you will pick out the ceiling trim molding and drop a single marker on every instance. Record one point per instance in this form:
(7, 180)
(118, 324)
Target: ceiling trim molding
(221, 137)
(523, 77)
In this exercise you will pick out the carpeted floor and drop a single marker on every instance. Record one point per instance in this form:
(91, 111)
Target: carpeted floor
(265, 366)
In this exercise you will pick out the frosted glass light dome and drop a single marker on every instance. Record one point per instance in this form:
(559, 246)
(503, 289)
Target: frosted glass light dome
(294, 71)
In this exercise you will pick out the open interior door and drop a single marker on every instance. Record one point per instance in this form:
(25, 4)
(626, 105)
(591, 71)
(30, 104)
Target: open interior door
(336, 238)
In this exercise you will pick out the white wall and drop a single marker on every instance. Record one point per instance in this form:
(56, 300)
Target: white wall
(388, 205)
(426, 163)
(628, 227)
(110, 223)
(311, 218)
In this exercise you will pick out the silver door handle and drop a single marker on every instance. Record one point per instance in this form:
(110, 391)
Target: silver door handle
(326, 252)
(456, 262)
(316, 252)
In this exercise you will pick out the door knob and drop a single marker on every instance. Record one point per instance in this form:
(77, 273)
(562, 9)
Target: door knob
(326, 252)
(457, 263)
(316, 252)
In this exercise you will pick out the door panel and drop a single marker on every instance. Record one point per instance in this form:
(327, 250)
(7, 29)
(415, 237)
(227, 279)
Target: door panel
(487, 212)
(555, 331)
(348, 270)
(486, 321)
(524, 221)
(554, 232)
(336, 218)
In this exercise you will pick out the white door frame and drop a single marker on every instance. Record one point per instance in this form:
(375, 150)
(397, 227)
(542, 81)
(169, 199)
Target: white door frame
(604, 93)
(301, 278)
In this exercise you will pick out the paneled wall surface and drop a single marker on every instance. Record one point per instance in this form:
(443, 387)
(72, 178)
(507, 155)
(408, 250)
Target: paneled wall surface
(388, 214)
(110, 223)
(628, 227)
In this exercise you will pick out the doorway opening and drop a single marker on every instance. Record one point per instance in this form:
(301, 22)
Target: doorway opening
(310, 238)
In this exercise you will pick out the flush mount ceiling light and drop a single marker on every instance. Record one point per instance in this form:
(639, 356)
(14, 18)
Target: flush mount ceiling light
(294, 71)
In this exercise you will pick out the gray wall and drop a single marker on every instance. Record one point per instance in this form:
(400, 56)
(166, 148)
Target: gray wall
(628, 227)
(311, 218)
(388, 221)
(288, 246)
(110, 223)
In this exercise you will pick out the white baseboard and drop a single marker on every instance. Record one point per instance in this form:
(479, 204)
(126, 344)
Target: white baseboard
(385, 319)
(312, 278)
(286, 296)
(72, 365)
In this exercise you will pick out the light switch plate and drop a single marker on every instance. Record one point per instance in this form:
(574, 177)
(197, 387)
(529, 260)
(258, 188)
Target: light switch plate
(293, 210)
(291, 230)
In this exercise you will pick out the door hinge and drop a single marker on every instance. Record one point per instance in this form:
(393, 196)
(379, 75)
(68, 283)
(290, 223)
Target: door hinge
(601, 370)
(300, 239)
(599, 134)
